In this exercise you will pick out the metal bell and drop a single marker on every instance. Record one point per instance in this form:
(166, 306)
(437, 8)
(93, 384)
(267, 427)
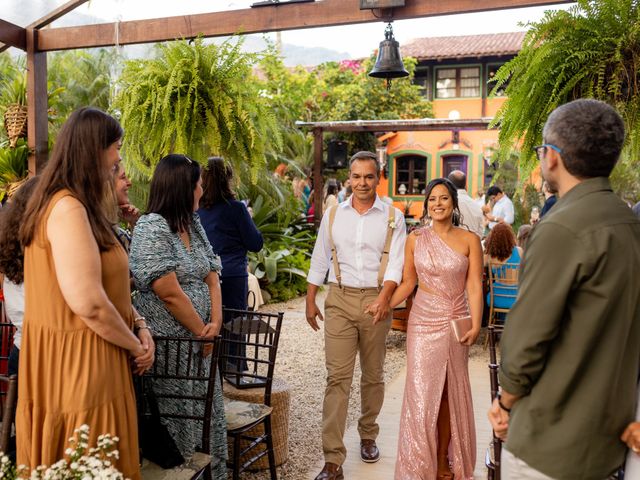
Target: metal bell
(389, 61)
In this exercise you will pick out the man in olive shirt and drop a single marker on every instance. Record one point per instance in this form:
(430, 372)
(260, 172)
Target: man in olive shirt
(571, 346)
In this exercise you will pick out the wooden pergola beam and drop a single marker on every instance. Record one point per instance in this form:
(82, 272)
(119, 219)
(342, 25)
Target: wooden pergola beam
(54, 15)
(278, 17)
(13, 35)
(46, 20)
(37, 126)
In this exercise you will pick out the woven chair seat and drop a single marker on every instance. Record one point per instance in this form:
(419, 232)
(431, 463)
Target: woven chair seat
(239, 414)
(188, 470)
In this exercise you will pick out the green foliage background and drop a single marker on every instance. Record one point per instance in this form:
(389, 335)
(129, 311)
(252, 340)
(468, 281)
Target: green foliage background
(197, 99)
(590, 51)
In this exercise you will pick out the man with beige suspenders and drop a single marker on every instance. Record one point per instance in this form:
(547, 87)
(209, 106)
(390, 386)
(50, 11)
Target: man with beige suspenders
(361, 243)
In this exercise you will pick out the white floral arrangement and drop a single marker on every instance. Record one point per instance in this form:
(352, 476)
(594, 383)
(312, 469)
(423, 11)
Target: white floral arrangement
(83, 463)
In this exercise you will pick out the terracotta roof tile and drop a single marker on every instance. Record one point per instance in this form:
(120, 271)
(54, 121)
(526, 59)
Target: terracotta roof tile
(436, 48)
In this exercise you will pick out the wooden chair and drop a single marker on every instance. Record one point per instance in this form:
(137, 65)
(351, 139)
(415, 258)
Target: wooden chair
(494, 452)
(199, 375)
(503, 289)
(260, 333)
(8, 410)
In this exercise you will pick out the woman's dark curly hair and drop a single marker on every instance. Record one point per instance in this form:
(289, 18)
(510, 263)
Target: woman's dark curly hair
(11, 217)
(500, 242)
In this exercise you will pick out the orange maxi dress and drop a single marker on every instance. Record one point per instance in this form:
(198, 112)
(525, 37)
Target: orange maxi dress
(68, 375)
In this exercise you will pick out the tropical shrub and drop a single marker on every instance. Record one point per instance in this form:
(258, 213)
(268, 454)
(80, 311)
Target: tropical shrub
(13, 165)
(283, 263)
(342, 91)
(198, 99)
(590, 51)
(85, 79)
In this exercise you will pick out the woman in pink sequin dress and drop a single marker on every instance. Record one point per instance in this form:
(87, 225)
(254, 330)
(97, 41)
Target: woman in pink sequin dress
(437, 432)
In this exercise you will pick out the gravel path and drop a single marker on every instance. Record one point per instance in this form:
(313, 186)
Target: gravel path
(301, 364)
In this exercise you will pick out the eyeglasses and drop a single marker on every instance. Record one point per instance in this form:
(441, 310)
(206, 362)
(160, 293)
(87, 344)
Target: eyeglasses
(541, 150)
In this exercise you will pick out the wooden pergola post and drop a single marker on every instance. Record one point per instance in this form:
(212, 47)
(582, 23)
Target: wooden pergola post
(37, 102)
(318, 183)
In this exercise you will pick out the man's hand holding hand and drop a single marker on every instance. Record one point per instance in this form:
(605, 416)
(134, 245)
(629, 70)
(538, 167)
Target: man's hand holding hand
(379, 308)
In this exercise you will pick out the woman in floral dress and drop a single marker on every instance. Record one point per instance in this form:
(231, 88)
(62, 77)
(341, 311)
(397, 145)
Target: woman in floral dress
(176, 274)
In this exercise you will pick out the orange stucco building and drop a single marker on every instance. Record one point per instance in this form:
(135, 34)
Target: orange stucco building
(456, 74)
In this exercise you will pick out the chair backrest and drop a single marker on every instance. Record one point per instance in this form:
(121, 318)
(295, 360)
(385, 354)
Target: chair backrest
(249, 349)
(503, 284)
(493, 332)
(8, 409)
(196, 368)
(7, 331)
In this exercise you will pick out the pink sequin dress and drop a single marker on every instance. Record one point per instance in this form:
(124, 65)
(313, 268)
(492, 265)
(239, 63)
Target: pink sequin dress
(433, 356)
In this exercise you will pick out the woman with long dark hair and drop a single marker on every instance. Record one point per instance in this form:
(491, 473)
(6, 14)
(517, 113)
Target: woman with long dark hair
(12, 265)
(77, 338)
(230, 230)
(178, 289)
(437, 424)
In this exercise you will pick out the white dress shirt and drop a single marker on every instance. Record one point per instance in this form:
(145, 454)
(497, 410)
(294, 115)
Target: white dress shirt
(503, 208)
(359, 241)
(472, 216)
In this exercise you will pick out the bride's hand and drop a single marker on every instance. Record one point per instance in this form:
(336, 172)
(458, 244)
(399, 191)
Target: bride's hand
(470, 337)
(372, 308)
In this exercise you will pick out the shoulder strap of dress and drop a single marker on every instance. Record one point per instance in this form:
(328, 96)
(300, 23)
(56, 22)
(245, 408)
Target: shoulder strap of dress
(334, 252)
(384, 261)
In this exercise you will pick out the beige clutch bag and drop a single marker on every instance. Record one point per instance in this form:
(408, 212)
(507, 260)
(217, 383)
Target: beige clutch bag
(460, 326)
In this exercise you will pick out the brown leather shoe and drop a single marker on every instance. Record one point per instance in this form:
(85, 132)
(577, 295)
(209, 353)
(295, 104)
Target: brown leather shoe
(331, 471)
(369, 451)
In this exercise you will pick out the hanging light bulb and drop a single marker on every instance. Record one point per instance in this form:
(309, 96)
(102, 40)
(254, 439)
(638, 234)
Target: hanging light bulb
(389, 61)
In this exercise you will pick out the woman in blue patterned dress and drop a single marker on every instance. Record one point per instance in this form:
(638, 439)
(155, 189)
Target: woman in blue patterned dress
(176, 275)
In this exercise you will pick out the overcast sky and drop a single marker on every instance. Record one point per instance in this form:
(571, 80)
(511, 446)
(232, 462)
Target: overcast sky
(356, 40)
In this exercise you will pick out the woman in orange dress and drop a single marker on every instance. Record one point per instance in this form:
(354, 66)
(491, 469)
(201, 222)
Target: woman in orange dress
(78, 341)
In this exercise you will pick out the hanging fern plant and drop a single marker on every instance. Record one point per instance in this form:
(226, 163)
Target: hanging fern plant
(196, 99)
(590, 51)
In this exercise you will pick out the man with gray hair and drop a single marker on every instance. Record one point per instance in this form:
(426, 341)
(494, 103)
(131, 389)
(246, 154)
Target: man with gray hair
(361, 242)
(472, 216)
(571, 345)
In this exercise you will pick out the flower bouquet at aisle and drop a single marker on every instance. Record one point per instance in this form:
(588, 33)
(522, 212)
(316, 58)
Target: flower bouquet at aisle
(82, 462)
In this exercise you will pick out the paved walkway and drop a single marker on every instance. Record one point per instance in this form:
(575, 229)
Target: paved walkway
(389, 420)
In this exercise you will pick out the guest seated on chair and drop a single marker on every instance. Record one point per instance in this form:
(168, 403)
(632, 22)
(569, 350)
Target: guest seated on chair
(500, 248)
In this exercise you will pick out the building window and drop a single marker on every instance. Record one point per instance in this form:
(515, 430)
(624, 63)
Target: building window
(458, 82)
(491, 73)
(411, 175)
(422, 78)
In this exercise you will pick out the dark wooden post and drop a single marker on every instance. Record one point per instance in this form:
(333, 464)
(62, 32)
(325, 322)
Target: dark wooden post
(38, 128)
(318, 186)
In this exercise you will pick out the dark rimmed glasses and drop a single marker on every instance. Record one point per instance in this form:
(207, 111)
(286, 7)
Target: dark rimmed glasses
(541, 150)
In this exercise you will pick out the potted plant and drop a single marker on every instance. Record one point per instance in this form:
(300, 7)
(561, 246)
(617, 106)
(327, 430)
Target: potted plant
(198, 99)
(13, 101)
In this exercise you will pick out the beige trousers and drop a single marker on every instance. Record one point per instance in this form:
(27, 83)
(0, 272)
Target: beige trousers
(347, 331)
(512, 468)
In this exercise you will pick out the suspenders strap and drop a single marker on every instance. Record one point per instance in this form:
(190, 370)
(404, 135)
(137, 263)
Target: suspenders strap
(384, 260)
(334, 253)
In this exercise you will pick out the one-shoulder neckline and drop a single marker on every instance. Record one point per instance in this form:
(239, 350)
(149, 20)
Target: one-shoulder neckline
(433, 232)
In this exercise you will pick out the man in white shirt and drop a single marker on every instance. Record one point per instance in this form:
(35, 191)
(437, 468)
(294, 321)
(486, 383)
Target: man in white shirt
(472, 216)
(502, 211)
(367, 237)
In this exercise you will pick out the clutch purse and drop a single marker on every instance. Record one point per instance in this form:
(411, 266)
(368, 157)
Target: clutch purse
(460, 326)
